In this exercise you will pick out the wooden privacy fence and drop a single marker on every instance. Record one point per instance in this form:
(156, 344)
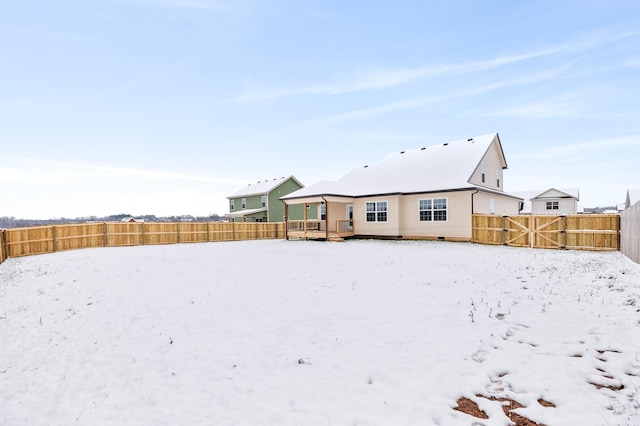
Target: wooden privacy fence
(49, 239)
(630, 238)
(577, 232)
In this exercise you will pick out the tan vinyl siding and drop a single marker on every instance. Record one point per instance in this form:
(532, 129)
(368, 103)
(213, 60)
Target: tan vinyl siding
(502, 205)
(384, 229)
(337, 211)
(457, 225)
(492, 164)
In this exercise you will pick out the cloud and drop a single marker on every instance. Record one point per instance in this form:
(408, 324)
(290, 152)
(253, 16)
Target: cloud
(573, 150)
(186, 4)
(24, 171)
(420, 101)
(382, 79)
(564, 106)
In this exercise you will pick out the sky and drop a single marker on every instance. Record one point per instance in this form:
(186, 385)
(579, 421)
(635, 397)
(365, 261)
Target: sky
(167, 107)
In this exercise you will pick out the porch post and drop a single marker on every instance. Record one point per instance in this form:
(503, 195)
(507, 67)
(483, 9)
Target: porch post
(286, 221)
(326, 219)
(304, 222)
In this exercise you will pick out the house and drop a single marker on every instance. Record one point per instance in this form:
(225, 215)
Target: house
(633, 196)
(259, 202)
(550, 201)
(426, 193)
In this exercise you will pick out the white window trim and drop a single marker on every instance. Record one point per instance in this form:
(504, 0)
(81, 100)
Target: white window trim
(232, 204)
(376, 211)
(263, 201)
(433, 209)
(243, 203)
(552, 202)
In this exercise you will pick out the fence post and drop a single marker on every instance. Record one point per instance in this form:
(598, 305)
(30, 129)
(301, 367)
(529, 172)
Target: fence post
(178, 232)
(233, 229)
(53, 238)
(3, 246)
(563, 232)
(142, 233)
(504, 230)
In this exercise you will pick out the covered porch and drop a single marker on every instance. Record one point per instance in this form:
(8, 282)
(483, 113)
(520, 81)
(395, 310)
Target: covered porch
(335, 219)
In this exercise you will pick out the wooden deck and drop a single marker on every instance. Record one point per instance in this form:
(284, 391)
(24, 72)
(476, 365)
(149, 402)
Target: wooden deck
(315, 230)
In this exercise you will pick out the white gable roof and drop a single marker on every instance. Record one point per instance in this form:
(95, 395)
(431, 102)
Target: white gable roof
(262, 187)
(541, 194)
(439, 167)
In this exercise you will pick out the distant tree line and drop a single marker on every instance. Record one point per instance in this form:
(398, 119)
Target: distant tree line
(7, 222)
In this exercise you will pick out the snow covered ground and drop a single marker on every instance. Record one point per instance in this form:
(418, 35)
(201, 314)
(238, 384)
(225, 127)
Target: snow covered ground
(306, 333)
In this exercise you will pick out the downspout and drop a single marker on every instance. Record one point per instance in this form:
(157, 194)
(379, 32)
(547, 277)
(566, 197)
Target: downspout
(472, 194)
(326, 217)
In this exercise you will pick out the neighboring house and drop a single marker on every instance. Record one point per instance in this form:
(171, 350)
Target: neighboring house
(427, 193)
(633, 196)
(259, 202)
(129, 219)
(550, 201)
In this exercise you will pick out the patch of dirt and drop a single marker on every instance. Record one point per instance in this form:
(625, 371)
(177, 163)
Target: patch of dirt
(546, 403)
(467, 406)
(612, 387)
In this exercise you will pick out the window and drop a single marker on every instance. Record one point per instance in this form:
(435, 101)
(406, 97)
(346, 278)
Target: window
(263, 201)
(553, 205)
(244, 203)
(376, 211)
(433, 210)
(232, 204)
(323, 212)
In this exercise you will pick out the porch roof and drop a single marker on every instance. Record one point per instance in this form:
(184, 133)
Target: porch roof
(246, 212)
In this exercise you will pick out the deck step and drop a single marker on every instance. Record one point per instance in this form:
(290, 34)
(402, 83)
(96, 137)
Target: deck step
(336, 239)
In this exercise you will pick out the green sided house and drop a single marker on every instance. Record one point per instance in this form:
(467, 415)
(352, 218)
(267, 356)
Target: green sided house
(260, 201)
(425, 193)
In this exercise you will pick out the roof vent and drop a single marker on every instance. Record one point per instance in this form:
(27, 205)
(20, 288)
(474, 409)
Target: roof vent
(366, 166)
(401, 152)
(470, 140)
(423, 148)
(445, 144)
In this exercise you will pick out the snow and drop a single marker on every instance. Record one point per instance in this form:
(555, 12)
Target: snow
(262, 187)
(311, 333)
(446, 166)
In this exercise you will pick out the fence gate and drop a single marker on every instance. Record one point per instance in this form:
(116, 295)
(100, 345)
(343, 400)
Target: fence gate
(583, 232)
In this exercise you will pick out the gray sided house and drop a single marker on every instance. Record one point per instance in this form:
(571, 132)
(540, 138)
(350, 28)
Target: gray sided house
(633, 196)
(550, 201)
(260, 201)
(424, 193)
